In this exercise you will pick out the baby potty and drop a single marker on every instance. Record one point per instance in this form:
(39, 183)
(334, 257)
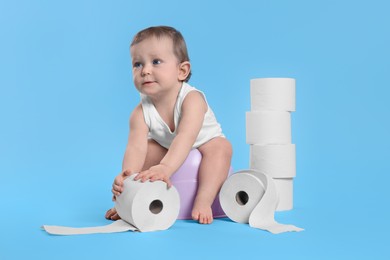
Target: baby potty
(185, 181)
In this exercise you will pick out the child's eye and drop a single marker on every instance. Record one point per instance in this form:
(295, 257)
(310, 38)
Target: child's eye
(137, 65)
(156, 62)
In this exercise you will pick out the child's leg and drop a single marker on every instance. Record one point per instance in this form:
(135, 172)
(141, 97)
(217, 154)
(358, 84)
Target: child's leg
(154, 156)
(213, 171)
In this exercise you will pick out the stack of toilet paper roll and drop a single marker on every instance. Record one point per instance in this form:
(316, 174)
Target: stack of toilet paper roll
(268, 132)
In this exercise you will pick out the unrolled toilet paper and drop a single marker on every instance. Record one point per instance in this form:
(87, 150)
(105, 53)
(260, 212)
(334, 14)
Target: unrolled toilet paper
(143, 207)
(284, 187)
(268, 127)
(250, 196)
(278, 161)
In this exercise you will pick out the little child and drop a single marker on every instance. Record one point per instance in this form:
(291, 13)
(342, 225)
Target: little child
(171, 119)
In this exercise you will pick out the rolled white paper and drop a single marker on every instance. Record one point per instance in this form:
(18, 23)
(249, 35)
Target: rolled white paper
(148, 206)
(250, 196)
(272, 94)
(284, 187)
(278, 161)
(268, 127)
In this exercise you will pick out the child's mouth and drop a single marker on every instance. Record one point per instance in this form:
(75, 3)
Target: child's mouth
(147, 83)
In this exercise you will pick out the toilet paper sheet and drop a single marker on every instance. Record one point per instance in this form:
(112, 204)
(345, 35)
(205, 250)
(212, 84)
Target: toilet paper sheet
(268, 127)
(148, 206)
(285, 189)
(278, 161)
(250, 196)
(272, 94)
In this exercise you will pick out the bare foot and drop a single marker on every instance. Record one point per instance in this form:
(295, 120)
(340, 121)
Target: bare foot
(202, 213)
(112, 214)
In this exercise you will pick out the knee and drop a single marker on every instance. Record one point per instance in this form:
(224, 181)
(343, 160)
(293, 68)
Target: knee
(219, 148)
(226, 148)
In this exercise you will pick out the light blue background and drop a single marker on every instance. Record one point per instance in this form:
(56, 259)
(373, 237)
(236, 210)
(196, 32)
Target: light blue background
(66, 93)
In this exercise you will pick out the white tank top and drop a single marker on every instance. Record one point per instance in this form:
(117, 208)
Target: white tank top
(160, 131)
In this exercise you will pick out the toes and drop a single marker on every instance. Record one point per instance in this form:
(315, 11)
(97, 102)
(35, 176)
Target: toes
(115, 217)
(195, 216)
(204, 219)
(112, 214)
(200, 219)
(108, 214)
(207, 219)
(210, 220)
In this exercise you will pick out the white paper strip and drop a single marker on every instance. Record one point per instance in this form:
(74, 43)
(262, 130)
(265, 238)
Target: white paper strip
(117, 226)
(284, 187)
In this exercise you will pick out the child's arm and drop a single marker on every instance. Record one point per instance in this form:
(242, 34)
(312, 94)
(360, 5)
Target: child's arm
(136, 149)
(193, 111)
(137, 144)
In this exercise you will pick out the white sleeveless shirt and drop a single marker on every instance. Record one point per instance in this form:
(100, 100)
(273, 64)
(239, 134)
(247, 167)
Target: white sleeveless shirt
(160, 131)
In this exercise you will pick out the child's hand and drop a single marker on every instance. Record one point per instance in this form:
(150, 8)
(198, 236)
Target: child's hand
(158, 172)
(117, 186)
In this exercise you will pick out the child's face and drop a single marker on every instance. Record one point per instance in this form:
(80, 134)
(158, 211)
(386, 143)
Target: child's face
(156, 69)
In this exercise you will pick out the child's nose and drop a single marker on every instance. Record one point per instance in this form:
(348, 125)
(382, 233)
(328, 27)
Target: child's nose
(146, 69)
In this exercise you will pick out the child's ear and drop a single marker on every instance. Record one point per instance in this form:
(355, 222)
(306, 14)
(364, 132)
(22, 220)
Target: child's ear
(184, 70)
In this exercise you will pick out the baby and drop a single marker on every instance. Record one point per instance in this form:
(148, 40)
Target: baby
(171, 119)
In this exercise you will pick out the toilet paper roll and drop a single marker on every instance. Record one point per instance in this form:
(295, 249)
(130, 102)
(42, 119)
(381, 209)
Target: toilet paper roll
(272, 94)
(143, 207)
(284, 187)
(268, 127)
(250, 196)
(278, 161)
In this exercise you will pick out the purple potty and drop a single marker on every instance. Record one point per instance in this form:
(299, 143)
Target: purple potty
(185, 180)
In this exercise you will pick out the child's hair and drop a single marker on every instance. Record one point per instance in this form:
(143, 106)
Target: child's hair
(179, 45)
